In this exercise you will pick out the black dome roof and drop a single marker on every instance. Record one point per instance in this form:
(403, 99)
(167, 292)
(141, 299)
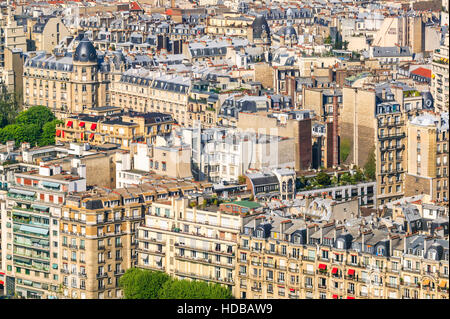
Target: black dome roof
(85, 51)
(259, 25)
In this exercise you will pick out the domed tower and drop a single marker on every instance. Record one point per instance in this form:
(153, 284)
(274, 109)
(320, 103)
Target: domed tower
(261, 31)
(290, 35)
(85, 76)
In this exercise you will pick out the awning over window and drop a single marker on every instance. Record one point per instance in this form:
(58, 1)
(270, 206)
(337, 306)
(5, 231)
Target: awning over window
(322, 266)
(21, 214)
(426, 282)
(40, 207)
(351, 272)
(334, 270)
(69, 123)
(291, 289)
(350, 297)
(93, 126)
(81, 124)
(21, 192)
(335, 296)
(91, 136)
(35, 230)
(50, 184)
(158, 259)
(58, 132)
(443, 283)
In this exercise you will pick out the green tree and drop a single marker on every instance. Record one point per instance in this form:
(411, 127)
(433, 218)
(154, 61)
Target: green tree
(323, 179)
(327, 40)
(48, 133)
(370, 166)
(185, 289)
(9, 107)
(38, 115)
(142, 284)
(358, 176)
(345, 179)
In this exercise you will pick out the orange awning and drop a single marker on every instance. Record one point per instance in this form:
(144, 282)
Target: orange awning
(426, 282)
(443, 283)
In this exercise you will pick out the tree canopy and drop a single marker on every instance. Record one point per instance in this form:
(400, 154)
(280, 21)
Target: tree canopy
(139, 283)
(37, 125)
(370, 166)
(186, 289)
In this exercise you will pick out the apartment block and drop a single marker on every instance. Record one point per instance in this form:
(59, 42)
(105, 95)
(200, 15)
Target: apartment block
(279, 257)
(121, 129)
(31, 224)
(390, 151)
(440, 77)
(67, 83)
(428, 167)
(198, 243)
(97, 240)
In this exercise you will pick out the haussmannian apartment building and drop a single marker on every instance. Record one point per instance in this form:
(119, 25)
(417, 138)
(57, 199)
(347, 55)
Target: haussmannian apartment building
(282, 258)
(197, 243)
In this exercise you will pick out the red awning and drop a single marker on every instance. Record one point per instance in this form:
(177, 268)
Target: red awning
(93, 126)
(334, 270)
(351, 272)
(91, 136)
(69, 123)
(82, 135)
(350, 297)
(63, 133)
(322, 266)
(81, 124)
(335, 296)
(291, 289)
(2, 282)
(58, 132)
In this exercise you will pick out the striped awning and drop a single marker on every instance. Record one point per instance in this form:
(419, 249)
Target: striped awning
(51, 184)
(21, 192)
(40, 207)
(35, 230)
(20, 214)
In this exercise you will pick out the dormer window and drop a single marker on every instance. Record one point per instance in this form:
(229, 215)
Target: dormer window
(380, 251)
(432, 254)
